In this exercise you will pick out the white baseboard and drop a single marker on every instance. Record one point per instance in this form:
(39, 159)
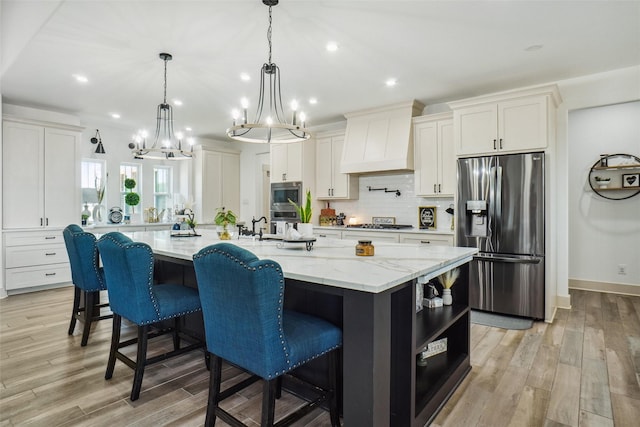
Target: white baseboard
(611, 288)
(563, 301)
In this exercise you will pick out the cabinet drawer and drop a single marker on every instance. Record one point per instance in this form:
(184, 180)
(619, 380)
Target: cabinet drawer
(25, 256)
(26, 277)
(375, 236)
(435, 239)
(331, 234)
(33, 238)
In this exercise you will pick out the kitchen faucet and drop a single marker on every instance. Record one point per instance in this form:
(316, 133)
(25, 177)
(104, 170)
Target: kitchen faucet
(254, 221)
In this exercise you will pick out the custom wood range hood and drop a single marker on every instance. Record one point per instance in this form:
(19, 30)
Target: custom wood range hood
(379, 139)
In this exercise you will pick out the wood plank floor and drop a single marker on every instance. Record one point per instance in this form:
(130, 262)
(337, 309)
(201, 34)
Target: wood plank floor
(583, 370)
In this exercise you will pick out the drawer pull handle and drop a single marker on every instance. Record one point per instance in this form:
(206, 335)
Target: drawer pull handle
(425, 241)
(49, 274)
(322, 235)
(50, 253)
(50, 237)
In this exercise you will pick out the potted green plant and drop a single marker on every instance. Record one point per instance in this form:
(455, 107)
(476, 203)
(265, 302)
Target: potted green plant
(602, 181)
(131, 198)
(304, 227)
(223, 219)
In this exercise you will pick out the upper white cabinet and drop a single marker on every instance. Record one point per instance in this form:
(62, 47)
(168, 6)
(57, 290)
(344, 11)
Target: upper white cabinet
(435, 164)
(39, 186)
(293, 162)
(514, 121)
(330, 183)
(217, 182)
(379, 139)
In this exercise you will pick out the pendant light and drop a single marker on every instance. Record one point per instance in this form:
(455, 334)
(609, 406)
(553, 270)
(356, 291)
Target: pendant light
(167, 145)
(98, 140)
(274, 126)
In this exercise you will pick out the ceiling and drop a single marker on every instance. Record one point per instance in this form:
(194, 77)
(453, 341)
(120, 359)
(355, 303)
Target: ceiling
(437, 50)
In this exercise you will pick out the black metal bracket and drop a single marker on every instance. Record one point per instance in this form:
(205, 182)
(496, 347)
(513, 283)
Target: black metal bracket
(385, 190)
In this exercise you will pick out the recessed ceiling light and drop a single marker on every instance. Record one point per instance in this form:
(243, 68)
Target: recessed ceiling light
(332, 46)
(391, 82)
(177, 102)
(313, 101)
(245, 77)
(188, 129)
(80, 78)
(115, 115)
(533, 47)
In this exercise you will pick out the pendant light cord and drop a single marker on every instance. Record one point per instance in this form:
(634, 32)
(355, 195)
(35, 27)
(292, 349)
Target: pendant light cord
(165, 80)
(269, 34)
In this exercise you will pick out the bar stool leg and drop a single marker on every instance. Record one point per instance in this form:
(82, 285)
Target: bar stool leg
(333, 377)
(76, 307)
(215, 378)
(141, 361)
(115, 340)
(89, 303)
(269, 402)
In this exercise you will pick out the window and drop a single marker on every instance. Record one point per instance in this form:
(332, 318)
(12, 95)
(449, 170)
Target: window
(133, 171)
(162, 187)
(93, 178)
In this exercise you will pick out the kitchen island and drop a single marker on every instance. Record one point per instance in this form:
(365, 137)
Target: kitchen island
(373, 300)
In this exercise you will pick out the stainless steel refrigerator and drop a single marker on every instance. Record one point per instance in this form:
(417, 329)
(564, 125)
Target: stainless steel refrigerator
(501, 212)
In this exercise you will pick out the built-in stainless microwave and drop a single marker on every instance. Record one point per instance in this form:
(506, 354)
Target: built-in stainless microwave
(282, 192)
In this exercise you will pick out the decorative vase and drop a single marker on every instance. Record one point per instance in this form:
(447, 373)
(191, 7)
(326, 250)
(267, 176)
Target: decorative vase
(99, 213)
(446, 297)
(305, 229)
(224, 233)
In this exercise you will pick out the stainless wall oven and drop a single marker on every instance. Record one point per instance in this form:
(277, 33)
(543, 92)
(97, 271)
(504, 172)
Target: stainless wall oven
(280, 208)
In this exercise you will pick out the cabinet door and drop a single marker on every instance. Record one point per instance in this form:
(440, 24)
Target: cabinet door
(294, 162)
(447, 159)
(230, 183)
(60, 167)
(278, 155)
(476, 129)
(324, 168)
(23, 175)
(211, 194)
(426, 158)
(341, 181)
(522, 124)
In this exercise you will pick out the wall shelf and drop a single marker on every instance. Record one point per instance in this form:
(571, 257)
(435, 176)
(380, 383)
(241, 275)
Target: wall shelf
(623, 173)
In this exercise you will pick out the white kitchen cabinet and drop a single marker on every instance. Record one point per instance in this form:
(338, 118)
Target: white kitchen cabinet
(294, 162)
(216, 182)
(374, 236)
(40, 187)
(35, 258)
(330, 234)
(515, 121)
(432, 239)
(435, 165)
(330, 183)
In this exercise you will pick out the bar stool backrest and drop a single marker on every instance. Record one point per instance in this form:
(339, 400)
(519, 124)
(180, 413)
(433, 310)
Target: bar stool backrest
(83, 257)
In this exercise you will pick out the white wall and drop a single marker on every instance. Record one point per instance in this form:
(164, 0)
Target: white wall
(612, 87)
(602, 233)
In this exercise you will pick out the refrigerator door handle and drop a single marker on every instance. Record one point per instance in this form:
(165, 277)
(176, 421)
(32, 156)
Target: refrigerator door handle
(508, 259)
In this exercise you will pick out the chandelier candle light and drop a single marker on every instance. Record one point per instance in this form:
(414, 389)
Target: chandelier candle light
(167, 144)
(275, 127)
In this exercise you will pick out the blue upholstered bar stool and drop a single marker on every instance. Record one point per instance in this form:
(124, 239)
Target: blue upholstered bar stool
(246, 325)
(128, 269)
(88, 279)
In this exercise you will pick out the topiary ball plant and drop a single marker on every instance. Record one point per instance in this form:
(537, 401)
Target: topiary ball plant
(131, 198)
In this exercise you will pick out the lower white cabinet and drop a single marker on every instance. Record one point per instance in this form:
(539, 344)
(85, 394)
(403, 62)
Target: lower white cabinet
(35, 258)
(431, 238)
(428, 239)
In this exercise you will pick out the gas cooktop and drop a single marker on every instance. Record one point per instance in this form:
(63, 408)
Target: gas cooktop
(380, 226)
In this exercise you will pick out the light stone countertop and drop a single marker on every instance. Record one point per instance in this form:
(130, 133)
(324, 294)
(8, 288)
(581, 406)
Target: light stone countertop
(332, 262)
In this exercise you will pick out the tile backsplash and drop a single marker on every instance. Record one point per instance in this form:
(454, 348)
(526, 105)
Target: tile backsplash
(404, 207)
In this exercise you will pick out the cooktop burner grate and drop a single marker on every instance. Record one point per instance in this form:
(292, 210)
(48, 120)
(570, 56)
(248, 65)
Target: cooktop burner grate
(380, 226)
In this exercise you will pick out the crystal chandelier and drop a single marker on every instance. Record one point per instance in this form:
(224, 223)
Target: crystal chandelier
(167, 145)
(275, 127)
